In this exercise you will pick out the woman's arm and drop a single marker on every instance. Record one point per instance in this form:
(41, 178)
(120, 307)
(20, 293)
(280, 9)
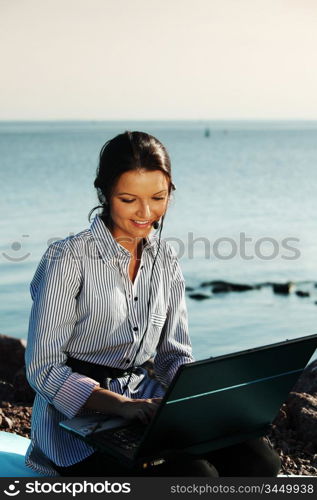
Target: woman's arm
(54, 289)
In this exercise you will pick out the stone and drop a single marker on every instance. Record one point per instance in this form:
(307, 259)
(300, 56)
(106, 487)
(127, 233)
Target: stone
(221, 289)
(6, 391)
(199, 296)
(232, 287)
(238, 287)
(301, 293)
(7, 423)
(210, 283)
(227, 286)
(282, 288)
(307, 382)
(214, 283)
(302, 409)
(11, 357)
(22, 391)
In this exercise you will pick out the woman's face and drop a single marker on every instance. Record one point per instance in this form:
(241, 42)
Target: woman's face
(139, 198)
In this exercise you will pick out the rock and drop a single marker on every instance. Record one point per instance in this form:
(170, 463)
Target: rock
(7, 423)
(14, 386)
(227, 286)
(22, 391)
(211, 283)
(6, 391)
(221, 289)
(301, 293)
(294, 430)
(199, 296)
(214, 283)
(282, 288)
(232, 287)
(19, 416)
(309, 448)
(237, 287)
(6, 404)
(189, 289)
(302, 410)
(11, 357)
(307, 382)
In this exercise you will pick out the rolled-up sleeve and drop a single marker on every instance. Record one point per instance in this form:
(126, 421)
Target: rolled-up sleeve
(54, 288)
(174, 348)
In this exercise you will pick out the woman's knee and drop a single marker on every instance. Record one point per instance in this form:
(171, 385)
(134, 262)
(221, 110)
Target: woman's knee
(253, 458)
(268, 462)
(264, 459)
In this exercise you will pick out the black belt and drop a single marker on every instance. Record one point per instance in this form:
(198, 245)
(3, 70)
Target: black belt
(100, 373)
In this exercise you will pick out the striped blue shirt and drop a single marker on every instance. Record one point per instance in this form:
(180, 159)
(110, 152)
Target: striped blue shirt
(85, 306)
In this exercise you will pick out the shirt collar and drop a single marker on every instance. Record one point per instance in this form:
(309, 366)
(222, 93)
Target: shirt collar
(109, 247)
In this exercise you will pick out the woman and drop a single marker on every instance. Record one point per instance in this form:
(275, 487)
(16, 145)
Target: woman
(106, 300)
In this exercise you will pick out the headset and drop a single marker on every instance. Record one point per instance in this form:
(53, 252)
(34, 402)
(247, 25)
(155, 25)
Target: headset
(156, 225)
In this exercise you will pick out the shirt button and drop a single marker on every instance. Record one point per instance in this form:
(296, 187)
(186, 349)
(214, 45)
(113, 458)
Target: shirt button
(141, 267)
(135, 328)
(135, 298)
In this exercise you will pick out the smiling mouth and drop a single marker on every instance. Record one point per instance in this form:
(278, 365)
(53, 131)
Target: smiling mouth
(141, 223)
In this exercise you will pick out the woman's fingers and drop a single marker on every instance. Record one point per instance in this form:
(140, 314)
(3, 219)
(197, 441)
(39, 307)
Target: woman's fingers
(143, 409)
(147, 410)
(142, 416)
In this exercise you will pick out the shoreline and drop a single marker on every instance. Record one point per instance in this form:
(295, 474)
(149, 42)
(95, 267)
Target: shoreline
(293, 432)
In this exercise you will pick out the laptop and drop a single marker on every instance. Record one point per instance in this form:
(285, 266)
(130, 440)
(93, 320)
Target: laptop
(210, 404)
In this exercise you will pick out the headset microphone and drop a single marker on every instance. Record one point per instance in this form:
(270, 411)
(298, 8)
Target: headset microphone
(155, 225)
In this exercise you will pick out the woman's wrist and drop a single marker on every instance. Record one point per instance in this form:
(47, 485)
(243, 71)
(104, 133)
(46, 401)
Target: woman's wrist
(106, 401)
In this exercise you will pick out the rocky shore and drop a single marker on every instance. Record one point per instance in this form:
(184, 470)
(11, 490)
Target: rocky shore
(211, 289)
(293, 432)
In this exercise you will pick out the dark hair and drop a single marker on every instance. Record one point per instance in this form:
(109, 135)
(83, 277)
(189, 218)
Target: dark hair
(125, 152)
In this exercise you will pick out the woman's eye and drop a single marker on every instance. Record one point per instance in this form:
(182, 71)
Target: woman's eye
(125, 200)
(128, 200)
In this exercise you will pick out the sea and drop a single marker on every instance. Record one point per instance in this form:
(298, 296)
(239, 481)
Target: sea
(244, 211)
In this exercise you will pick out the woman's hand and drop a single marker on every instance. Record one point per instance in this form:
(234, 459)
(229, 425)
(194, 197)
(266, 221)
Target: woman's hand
(111, 403)
(142, 409)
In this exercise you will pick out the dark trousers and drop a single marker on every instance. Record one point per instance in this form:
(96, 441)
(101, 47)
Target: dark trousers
(252, 458)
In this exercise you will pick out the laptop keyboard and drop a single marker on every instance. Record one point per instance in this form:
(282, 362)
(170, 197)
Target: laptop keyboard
(127, 438)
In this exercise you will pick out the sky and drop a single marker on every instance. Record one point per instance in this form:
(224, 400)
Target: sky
(158, 60)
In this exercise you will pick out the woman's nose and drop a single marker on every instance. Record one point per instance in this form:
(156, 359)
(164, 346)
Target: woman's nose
(144, 211)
